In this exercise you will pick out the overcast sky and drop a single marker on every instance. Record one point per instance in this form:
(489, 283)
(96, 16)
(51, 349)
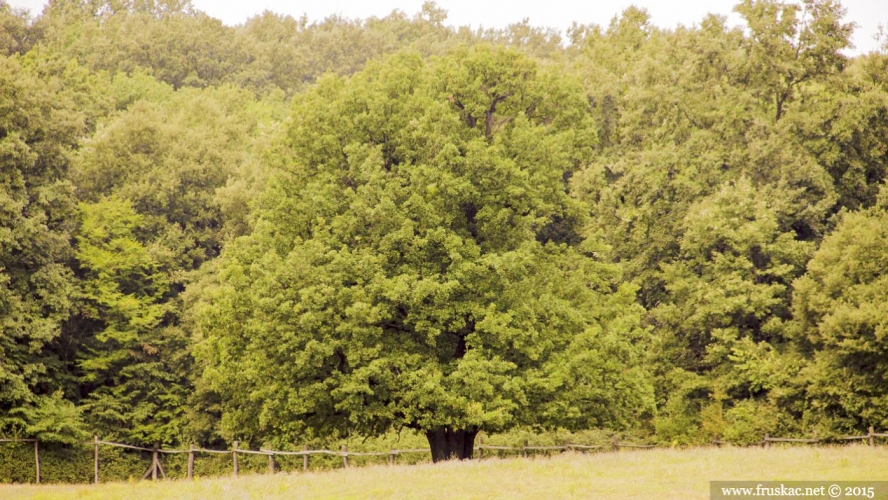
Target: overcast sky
(867, 14)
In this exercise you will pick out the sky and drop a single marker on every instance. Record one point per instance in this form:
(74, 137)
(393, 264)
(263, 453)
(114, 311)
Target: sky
(867, 14)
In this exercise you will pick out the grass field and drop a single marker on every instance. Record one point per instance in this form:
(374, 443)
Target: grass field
(666, 474)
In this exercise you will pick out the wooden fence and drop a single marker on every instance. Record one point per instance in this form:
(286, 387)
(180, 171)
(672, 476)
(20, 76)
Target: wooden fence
(155, 470)
(766, 441)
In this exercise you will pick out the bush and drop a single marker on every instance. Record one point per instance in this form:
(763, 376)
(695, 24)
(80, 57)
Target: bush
(748, 421)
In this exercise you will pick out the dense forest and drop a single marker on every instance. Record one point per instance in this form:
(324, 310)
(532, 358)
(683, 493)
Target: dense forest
(298, 228)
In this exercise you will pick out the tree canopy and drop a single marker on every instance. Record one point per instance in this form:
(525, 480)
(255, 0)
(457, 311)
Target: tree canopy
(419, 263)
(39, 127)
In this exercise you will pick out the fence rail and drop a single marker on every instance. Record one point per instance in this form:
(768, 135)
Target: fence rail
(869, 437)
(156, 468)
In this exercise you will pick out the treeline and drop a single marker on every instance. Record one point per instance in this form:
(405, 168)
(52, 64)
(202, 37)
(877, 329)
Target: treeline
(290, 230)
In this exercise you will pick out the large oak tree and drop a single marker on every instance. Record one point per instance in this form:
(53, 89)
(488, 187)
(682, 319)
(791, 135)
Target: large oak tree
(418, 262)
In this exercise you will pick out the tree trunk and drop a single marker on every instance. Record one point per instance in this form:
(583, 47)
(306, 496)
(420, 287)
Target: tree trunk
(448, 444)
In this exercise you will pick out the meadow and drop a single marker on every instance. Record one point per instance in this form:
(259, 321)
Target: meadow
(662, 473)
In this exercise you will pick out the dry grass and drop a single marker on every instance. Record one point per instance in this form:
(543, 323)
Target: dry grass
(666, 474)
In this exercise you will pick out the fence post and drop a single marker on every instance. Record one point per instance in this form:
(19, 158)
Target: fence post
(616, 443)
(870, 435)
(154, 462)
(344, 450)
(234, 457)
(765, 442)
(37, 458)
(480, 447)
(566, 445)
(96, 461)
(524, 449)
(191, 461)
(271, 463)
(305, 458)
(391, 457)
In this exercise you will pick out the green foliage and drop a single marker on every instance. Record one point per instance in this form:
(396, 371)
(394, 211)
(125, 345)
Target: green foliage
(749, 421)
(53, 420)
(39, 128)
(135, 388)
(680, 421)
(171, 40)
(724, 157)
(841, 325)
(791, 44)
(729, 291)
(843, 126)
(16, 35)
(418, 263)
(289, 54)
(169, 158)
